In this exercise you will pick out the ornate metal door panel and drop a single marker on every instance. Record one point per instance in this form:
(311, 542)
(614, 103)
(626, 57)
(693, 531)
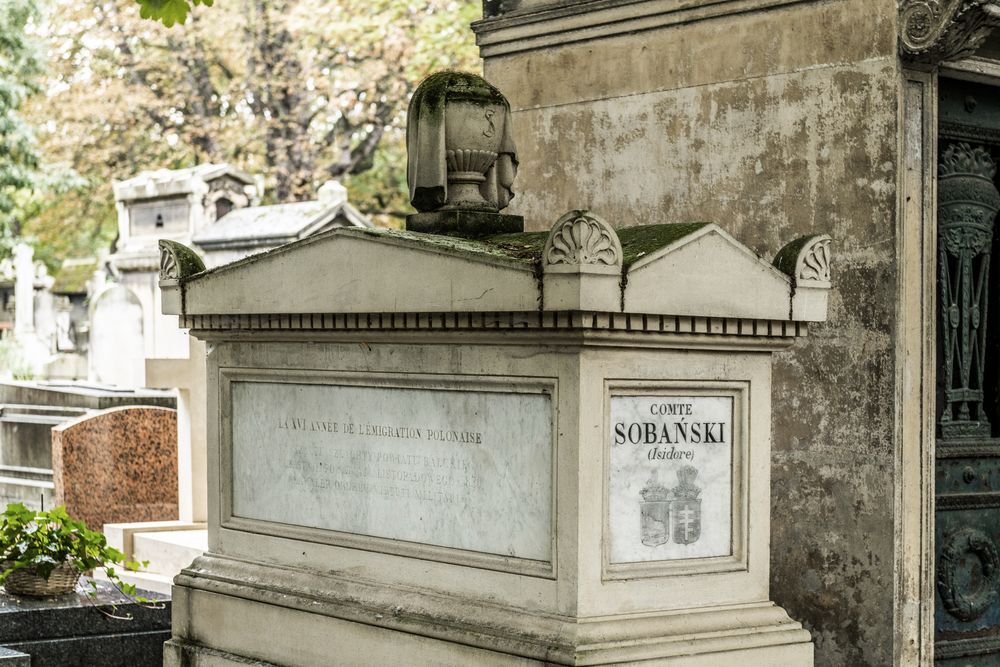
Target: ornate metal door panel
(967, 616)
(967, 488)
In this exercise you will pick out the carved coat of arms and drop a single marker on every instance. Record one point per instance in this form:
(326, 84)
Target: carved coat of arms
(671, 514)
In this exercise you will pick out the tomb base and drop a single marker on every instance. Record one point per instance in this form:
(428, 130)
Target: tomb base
(236, 612)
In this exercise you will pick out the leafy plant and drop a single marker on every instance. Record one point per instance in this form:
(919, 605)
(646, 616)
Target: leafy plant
(41, 541)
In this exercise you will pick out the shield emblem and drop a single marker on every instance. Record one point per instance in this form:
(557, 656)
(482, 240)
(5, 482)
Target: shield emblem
(686, 515)
(655, 522)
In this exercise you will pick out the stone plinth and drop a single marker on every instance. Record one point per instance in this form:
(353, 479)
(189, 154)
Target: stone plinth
(117, 465)
(520, 449)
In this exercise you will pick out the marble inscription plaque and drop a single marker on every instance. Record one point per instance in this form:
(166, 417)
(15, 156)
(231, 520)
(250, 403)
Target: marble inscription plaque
(464, 469)
(670, 487)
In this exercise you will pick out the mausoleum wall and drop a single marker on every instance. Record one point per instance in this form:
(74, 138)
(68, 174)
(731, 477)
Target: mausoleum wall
(773, 122)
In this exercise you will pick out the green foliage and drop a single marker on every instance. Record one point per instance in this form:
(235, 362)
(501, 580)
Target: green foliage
(169, 12)
(20, 67)
(40, 541)
(299, 91)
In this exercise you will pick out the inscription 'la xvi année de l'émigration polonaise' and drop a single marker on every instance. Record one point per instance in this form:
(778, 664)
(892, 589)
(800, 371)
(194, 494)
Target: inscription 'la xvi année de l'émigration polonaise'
(369, 470)
(380, 430)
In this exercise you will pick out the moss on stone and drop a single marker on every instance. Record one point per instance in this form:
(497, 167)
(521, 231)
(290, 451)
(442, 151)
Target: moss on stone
(187, 260)
(73, 276)
(788, 256)
(503, 246)
(637, 242)
(450, 84)
(464, 223)
(526, 246)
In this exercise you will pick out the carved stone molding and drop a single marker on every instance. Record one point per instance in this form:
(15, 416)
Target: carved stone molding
(581, 241)
(933, 31)
(177, 261)
(806, 260)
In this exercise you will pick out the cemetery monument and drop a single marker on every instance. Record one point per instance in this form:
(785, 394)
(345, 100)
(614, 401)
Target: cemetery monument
(490, 446)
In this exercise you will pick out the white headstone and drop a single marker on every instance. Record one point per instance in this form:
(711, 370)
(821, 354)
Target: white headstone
(45, 308)
(117, 353)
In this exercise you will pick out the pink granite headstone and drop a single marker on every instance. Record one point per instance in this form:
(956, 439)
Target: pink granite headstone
(117, 466)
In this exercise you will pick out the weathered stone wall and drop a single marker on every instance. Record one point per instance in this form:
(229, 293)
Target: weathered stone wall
(773, 124)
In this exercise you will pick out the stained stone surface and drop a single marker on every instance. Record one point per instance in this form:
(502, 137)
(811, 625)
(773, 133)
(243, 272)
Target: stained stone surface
(464, 469)
(117, 466)
(69, 630)
(671, 477)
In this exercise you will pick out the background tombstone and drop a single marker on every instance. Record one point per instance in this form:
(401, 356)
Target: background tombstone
(117, 353)
(29, 410)
(117, 465)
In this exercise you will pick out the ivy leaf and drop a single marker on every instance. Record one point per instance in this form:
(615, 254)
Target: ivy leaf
(168, 12)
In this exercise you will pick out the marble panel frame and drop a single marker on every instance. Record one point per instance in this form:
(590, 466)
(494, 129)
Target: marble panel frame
(738, 559)
(506, 384)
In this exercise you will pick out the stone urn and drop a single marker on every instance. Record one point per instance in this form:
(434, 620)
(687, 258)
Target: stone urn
(460, 155)
(472, 142)
(968, 202)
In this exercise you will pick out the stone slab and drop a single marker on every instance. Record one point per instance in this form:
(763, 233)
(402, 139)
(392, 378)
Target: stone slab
(81, 394)
(117, 465)
(33, 487)
(25, 621)
(463, 469)
(123, 650)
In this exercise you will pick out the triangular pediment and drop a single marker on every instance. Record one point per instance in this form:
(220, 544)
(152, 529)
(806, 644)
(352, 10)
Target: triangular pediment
(352, 271)
(707, 273)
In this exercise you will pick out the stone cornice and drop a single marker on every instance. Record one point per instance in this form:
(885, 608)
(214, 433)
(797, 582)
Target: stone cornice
(566, 21)
(506, 321)
(934, 31)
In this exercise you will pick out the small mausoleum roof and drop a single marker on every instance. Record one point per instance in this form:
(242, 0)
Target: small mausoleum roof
(278, 224)
(167, 182)
(73, 275)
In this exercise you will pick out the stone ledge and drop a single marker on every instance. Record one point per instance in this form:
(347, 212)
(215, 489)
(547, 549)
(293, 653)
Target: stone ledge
(722, 635)
(568, 21)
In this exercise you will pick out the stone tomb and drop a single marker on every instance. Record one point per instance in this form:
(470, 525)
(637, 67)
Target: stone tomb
(530, 448)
